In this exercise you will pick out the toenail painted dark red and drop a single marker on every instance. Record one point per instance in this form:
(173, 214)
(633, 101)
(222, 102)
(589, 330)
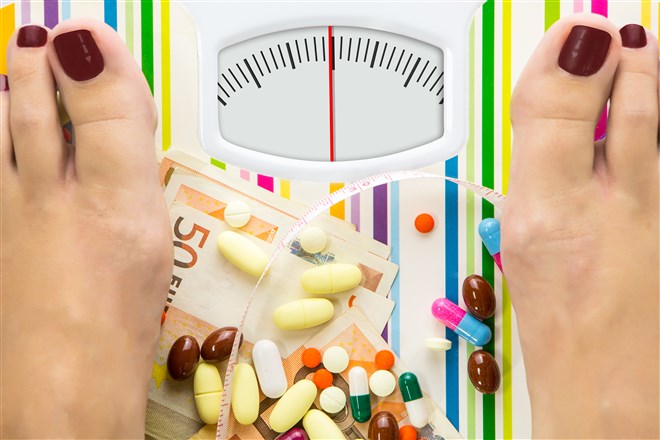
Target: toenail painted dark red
(31, 36)
(584, 51)
(4, 83)
(633, 36)
(79, 55)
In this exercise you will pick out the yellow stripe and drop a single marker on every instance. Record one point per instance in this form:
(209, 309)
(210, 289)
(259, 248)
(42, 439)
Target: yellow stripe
(339, 209)
(7, 26)
(506, 94)
(165, 74)
(646, 14)
(507, 379)
(285, 188)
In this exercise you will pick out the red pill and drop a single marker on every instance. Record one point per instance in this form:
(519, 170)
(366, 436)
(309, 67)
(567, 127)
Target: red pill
(323, 379)
(384, 360)
(424, 223)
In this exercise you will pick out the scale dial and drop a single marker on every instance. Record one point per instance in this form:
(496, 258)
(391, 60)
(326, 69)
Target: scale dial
(273, 105)
(331, 94)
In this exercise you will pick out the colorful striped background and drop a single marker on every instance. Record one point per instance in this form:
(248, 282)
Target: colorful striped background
(502, 37)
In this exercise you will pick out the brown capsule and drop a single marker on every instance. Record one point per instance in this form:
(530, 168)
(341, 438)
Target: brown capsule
(383, 426)
(479, 297)
(484, 372)
(183, 357)
(217, 345)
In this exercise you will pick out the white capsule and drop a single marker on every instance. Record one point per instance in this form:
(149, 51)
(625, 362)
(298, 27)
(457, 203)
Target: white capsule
(358, 387)
(269, 368)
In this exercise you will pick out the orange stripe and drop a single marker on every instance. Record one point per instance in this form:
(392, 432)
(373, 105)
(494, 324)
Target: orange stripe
(338, 210)
(7, 26)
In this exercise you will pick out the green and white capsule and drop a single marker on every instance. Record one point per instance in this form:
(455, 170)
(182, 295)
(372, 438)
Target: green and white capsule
(413, 399)
(358, 387)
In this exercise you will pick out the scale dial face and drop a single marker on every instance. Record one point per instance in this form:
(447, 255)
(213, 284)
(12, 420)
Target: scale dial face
(332, 90)
(331, 94)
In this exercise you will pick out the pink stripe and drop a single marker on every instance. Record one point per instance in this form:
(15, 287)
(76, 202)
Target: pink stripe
(355, 211)
(601, 127)
(245, 175)
(599, 7)
(25, 11)
(578, 5)
(266, 182)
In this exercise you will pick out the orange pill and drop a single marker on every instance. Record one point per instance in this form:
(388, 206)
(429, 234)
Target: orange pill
(407, 432)
(384, 360)
(323, 379)
(162, 318)
(311, 357)
(424, 223)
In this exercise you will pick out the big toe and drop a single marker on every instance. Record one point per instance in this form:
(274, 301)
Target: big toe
(109, 103)
(557, 103)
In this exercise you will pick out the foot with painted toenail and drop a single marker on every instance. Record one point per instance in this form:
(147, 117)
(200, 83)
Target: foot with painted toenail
(580, 230)
(86, 251)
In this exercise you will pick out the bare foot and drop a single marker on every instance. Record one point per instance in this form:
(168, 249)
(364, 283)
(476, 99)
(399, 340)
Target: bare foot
(86, 251)
(580, 231)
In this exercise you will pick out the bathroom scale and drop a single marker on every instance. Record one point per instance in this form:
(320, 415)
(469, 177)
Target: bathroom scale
(332, 90)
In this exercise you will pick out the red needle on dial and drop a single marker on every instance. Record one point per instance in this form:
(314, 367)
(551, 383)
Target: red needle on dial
(332, 95)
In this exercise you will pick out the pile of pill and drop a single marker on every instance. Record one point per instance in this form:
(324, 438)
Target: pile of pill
(266, 375)
(249, 257)
(183, 362)
(480, 301)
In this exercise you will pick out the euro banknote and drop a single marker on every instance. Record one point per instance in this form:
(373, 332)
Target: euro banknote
(172, 409)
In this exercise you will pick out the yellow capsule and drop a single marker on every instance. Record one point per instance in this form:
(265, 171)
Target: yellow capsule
(245, 395)
(208, 392)
(292, 406)
(303, 313)
(331, 278)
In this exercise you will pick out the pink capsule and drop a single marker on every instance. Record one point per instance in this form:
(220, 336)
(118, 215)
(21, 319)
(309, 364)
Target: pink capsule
(458, 320)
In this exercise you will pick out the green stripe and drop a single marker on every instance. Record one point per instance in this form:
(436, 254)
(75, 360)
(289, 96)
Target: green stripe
(552, 12)
(470, 228)
(219, 164)
(488, 179)
(129, 24)
(147, 13)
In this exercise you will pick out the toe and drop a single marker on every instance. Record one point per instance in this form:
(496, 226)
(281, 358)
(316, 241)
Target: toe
(557, 103)
(7, 167)
(631, 146)
(108, 100)
(33, 116)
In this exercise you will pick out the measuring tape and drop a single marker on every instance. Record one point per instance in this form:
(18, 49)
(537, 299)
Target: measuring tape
(322, 205)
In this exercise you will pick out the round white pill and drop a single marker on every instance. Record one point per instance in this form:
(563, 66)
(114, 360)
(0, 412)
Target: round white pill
(237, 213)
(335, 359)
(332, 400)
(382, 383)
(438, 344)
(313, 239)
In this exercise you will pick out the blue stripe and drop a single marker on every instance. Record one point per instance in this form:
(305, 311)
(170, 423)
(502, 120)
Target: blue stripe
(395, 341)
(110, 13)
(66, 9)
(451, 288)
